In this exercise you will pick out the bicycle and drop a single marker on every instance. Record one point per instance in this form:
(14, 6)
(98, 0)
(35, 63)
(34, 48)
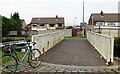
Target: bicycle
(10, 60)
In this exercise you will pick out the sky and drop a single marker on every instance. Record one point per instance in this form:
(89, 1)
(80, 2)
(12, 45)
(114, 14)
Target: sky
(71, 10)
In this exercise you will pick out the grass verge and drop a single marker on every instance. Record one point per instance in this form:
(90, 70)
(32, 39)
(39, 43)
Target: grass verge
(79, 36)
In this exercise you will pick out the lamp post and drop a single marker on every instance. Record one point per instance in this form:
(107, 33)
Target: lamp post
(75, 21)
(101, 15)
(83, 18)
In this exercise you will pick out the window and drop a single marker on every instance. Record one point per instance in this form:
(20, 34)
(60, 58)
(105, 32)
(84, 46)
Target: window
(52, 25)
(34, 25)
(111, 23)
(60, 24)
(42, 24)
(100, 23)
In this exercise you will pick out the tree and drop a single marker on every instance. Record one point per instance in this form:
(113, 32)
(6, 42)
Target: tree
(16, 17)
(5, 26)
(12, 24)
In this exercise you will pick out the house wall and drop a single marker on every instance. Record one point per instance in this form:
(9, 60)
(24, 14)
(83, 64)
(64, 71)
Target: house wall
(107, 23)
(23, 25)
(63, 25)
(91, 22)
(115, 24)
(46, 27)
(38, 28)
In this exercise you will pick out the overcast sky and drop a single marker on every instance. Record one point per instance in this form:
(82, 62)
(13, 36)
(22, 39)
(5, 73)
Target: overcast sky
(69, 9)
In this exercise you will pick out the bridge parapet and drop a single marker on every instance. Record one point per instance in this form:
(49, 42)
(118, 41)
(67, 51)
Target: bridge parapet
(103, 44)
(48, 40)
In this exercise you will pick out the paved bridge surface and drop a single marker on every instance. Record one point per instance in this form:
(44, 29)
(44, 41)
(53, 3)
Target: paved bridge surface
(73, 52)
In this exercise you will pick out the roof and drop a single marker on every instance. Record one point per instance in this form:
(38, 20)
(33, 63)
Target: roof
(48, 20)
(108, 17)
(22, 20)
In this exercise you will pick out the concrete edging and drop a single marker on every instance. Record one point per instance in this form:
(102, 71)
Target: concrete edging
(80, 67)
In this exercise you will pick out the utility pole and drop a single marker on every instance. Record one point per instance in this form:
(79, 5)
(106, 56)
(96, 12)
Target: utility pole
(83, 11)
(75, 21)
(83, 20)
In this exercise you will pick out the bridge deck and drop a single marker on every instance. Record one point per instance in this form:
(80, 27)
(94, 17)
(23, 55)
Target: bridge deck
(73, 52)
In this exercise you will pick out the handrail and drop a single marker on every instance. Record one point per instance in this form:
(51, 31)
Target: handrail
(47, 40)
(103, 44)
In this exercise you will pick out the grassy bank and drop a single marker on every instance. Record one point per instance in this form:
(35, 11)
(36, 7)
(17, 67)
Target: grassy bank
(117, 47)
(19, 54)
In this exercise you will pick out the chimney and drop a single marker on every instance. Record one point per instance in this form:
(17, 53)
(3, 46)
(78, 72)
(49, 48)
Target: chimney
(101, 14)
(56, 16)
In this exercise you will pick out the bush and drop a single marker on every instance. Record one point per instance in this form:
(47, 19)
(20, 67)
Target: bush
(117, 46)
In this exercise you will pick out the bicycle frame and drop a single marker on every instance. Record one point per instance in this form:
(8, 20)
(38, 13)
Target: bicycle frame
(14, 61)
(4, 56)
(29, 49)
(14, 51)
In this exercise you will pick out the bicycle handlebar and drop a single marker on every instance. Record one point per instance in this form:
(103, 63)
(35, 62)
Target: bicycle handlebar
(11, 45)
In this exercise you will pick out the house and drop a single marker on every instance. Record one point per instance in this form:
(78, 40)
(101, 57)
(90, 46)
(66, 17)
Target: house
(107, 19)
(47, 23)
(23, 24)
(23, 27)
(107, 23)
(19, 32)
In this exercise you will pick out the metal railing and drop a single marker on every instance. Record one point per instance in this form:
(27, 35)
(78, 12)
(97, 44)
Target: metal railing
(103, 44)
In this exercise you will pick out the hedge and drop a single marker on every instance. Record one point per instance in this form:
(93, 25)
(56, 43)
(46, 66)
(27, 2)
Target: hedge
(117, 47)
(7, 39)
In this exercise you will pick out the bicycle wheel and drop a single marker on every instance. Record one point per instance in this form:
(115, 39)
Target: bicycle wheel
(8, 64)
(34, 58)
